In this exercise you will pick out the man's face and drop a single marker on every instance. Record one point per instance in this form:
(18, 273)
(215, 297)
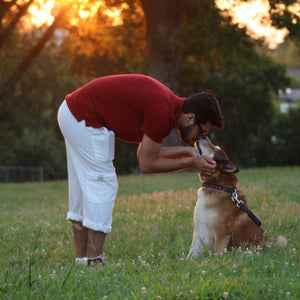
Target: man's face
(191, 133)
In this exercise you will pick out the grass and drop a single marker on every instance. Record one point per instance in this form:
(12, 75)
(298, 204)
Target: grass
(152, 233)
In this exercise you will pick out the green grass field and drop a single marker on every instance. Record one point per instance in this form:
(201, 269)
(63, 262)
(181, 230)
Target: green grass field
(152, 233)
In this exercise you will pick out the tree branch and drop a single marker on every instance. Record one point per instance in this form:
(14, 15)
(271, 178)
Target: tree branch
(28, 60)
(22, 11)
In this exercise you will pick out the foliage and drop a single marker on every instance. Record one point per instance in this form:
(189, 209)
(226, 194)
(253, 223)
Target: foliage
(29, 132)
(295, 82)
(246, 100)
(152, 233)
(285, 14)
(244, 81)
(108, 49)
(211, 43)
(215, 55)
(288, 53)
(279, 142)
(125, 157)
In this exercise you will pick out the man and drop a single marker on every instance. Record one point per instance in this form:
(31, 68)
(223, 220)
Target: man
(135, 108)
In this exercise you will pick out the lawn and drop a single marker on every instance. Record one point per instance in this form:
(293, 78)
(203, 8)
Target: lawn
(152, 233)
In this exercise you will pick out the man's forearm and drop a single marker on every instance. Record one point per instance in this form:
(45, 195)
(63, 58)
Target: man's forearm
(177, 152)
(166, 165)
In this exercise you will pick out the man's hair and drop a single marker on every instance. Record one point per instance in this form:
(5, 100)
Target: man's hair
(206, 109)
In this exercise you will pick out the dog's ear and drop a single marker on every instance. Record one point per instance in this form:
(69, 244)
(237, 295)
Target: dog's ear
(230, 167)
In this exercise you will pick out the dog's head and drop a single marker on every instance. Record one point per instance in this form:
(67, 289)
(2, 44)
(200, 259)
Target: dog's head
(225, 168)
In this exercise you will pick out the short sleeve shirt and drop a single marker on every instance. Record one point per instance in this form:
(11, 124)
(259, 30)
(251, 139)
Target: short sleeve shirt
(130, 105)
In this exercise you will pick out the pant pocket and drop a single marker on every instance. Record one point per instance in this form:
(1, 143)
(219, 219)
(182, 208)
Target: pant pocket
(101, 188)
(103, 143)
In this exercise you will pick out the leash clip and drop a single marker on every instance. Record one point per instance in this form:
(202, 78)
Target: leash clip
(235, 199)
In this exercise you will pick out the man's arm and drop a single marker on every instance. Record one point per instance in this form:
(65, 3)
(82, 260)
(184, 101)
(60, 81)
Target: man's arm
(155, 159)
(177, 152)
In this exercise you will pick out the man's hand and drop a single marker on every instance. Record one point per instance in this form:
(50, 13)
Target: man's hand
(204, 165)
(153, 158)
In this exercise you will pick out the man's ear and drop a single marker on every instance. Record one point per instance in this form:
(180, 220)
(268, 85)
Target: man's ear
(190, 119)
(230, 167)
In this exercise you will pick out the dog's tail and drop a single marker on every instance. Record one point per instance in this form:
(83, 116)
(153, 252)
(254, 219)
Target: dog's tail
(280, 241)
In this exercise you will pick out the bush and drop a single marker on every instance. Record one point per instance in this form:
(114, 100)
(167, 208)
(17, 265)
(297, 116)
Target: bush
(35, 149)
(125, 157)
(279, 143)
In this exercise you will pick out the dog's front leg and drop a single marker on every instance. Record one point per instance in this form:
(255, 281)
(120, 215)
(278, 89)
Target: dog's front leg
(197, 247)
(221, 242)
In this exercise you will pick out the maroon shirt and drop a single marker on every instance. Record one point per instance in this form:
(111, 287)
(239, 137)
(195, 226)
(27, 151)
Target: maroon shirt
(130, 105)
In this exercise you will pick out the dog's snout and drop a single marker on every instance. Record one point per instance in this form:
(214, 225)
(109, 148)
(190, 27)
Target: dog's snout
(201, 145)
(199, 148)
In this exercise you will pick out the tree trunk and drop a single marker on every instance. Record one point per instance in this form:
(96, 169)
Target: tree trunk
(163, 24)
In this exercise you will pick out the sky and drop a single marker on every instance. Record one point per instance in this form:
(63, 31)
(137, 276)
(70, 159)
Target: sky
(252, 14)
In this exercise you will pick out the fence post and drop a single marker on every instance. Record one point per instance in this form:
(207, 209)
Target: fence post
(21, 174)
(6, 173)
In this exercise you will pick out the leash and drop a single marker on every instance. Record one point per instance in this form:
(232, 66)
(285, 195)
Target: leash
(234, 197)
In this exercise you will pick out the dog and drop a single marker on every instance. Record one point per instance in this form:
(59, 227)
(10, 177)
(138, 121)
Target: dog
(222, 218)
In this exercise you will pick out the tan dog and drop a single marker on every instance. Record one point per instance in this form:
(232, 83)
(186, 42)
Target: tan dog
(222, 218)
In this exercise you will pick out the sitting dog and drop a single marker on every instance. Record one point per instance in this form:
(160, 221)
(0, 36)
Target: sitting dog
(222, 218)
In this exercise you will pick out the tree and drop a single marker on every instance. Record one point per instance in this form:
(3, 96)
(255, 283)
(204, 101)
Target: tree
(28, 131)
(285, 14)
(246, 100)
(288, 53)
(210, 52)
(5, 8)
(279, 144)
(211, 43)
(108, 48)
(163, 21)
(31, 56)
(226, 60)
(163, 26)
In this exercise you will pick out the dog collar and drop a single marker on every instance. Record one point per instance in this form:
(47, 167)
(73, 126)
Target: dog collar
(234, 197)
(219, 187)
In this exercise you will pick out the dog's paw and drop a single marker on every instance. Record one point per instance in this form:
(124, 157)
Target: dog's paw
(192, 255)
(280, 241)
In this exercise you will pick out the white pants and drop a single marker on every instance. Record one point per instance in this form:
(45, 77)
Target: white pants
(92, 177)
